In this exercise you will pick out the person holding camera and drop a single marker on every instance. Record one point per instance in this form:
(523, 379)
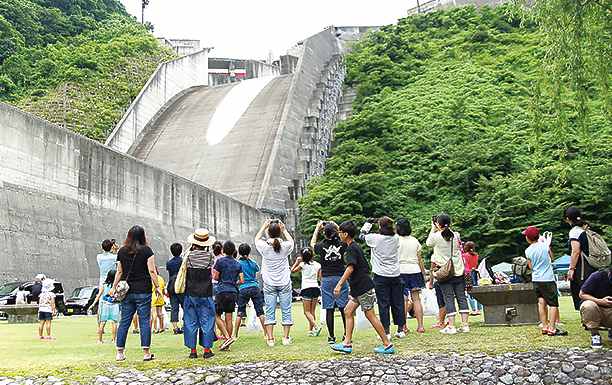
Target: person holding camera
(331, 251)
(388, 283)
(446, 247)
(276, 276)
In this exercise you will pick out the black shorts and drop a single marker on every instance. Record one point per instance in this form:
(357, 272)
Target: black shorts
(548, 291)
(225, 302)
(44, 315)
(310, 293)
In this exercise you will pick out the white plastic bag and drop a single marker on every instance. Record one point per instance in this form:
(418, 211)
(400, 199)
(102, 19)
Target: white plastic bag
(253, 323)
(361, 322)
(322, 314)
(482, 270)
(546, 238)
(430, 303)
(166, 322)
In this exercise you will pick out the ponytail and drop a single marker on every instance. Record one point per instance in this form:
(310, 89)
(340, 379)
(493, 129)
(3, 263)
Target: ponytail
(444, 222)
(447, 234)
(276, 245)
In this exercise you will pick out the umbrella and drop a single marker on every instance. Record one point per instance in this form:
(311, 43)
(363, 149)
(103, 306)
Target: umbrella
(563, 262)
(504, 267)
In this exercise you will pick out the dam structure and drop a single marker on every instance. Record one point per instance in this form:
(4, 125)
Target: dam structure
(187, 154)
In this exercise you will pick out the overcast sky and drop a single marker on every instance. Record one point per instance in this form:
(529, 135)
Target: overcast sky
(249, 29)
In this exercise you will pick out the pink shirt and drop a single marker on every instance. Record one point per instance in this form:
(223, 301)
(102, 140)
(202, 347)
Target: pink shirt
(213, 270)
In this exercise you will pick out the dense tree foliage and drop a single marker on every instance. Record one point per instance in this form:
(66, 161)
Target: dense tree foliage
(450, 118)
(92, 46)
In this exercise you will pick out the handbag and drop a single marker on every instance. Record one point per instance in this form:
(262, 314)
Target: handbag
(445, 272)
(181, 277)
(468, 280)
(123, 287)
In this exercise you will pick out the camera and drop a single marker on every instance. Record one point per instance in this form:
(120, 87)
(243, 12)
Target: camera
(373, 220)
(113, 241)
(434, 219)
(275, 221)
(324, 223)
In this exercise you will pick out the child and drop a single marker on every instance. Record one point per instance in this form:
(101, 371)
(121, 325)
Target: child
(540, 258)
(228, 273)
(471, 256)
(46, 308)
(249, 290)
(310, 291)
(21, 298)
(361, 291)
(157, 303)
(108, 309)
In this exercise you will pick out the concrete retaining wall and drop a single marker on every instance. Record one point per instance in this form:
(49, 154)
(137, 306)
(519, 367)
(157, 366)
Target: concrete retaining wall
(61, 194)
(169, 79)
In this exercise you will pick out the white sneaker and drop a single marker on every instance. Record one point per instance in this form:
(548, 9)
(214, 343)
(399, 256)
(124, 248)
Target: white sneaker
(388, 336)
(596, 341)
(271, 342)
(399, 335)
(464, 329)
(449, 330)
(287, 341)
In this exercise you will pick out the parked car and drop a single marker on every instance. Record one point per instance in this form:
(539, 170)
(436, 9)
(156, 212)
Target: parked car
(81, 299)
(8, 294)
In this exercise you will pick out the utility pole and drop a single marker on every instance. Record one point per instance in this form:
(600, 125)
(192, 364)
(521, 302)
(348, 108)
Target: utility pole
(418, 7)
(144, 4)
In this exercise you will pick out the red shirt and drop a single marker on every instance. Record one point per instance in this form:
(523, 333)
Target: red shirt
(472, 260)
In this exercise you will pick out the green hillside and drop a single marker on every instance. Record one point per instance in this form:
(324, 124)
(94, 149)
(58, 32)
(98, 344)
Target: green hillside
(77, 63)
(452, 117)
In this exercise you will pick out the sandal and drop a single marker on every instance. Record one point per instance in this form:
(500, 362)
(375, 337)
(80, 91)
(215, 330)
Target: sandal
(420, 330)
(150, 358)
(120, 357)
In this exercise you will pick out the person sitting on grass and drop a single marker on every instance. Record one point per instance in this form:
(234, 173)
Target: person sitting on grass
(310, 291)
(540, 258)
(361, 292)
(46, 308)
(249, 290)
(596, 310)
(228, 273)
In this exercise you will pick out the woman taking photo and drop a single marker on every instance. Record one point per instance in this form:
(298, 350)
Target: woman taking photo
(446, 246)
(136, 266)
(388, 283)
(276, 276)
(198, 305)
(579, 269)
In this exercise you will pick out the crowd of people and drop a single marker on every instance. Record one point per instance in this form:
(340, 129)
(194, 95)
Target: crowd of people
(219, 278)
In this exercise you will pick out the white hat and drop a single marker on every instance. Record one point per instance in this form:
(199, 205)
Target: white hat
(47, 285)
(40, 277)
(201, 237)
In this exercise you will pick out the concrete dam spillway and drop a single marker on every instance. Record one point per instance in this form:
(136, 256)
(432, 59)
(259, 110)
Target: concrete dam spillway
(186, 154)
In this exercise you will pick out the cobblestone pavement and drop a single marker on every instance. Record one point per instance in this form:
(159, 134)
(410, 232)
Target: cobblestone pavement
(560, 366)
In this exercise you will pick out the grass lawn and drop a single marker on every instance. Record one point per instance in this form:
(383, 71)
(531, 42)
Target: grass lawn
(74, 354)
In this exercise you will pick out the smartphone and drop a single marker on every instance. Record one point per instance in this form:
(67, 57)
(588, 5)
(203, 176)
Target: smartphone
(434, 219)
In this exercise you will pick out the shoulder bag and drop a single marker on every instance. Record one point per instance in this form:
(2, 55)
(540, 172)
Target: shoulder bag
(447, 271)
(122, 287)
(181, 277)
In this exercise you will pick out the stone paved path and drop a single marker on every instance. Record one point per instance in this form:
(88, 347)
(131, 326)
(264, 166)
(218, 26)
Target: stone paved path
(560, 366)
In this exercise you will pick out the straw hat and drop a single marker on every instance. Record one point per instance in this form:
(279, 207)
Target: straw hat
(201, 237)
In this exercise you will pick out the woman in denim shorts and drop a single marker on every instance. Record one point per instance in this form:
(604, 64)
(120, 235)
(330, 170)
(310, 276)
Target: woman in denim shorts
(411, 267)
(331, 251)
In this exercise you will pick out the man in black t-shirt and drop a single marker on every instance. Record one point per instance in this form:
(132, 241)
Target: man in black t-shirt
(361, 292)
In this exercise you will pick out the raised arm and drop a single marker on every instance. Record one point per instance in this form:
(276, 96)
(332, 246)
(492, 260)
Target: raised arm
(285, 232)
(263, 228)
(313, 240)
(296, 266)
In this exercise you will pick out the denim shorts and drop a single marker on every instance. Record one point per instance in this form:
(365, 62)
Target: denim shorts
(328, 284)
(413, 282)
(44, 315)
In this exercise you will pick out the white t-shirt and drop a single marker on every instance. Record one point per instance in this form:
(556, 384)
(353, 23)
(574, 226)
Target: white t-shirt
(442, 251)
(310, 273)
(275, 269)
(407, 253)
(384, 254)
(21, 296)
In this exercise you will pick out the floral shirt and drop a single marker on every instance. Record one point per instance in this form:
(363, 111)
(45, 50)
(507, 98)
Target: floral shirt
(45, 302)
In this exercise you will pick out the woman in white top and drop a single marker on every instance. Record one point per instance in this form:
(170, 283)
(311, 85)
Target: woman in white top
(388, 284)
(310, 292)
(446, 246)
(276, 276)
(411, 267)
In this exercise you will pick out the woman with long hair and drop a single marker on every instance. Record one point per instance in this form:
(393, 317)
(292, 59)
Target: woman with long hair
(276, 276)
(136, 266)
(331, 252)
(388, 283)
(412, 268)
(579, 269)
(446, 246)
(310, 292)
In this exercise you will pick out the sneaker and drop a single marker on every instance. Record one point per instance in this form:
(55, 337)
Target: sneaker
(287, 341)
(177, 331)
(399, 335)
(225, 345)
(271, 342)
(385, 350)
(100, 342)
(449, 330)
(318, 331)
(193, 355)
(331, 340)
(341, 347)
(309, 334)
(112, 341)
(208, 354)
(557, 332)
(388, 337)
(596, 341)
(49, 338)
(463, 329)
(242, 326)
(544, 332)
(41, 338)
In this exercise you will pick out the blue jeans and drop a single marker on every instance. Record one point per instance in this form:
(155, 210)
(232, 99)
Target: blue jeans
(474, 305)
(131, 304)
(250, 293)
(176, 300)
(199, 319)
(283, 293)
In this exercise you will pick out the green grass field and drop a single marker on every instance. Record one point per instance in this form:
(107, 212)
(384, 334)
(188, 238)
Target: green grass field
(74, 354)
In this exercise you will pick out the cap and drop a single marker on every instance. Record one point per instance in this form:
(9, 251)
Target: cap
(532, 233)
